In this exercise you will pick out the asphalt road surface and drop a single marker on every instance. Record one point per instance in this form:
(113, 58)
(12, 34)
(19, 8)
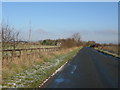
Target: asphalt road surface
(88, 69)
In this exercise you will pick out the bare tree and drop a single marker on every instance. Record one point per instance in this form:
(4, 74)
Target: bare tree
(76, 37)
(10, 38)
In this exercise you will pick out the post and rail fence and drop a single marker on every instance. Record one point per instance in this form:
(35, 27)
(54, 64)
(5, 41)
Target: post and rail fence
(12, 52)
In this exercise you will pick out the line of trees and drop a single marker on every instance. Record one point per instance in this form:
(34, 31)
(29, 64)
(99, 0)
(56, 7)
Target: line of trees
(74, 40)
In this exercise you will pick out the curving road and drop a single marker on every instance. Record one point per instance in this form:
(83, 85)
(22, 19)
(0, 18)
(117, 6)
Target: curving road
(88, 69)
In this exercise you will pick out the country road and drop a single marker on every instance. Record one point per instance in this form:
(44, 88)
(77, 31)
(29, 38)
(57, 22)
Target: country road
(88, 69)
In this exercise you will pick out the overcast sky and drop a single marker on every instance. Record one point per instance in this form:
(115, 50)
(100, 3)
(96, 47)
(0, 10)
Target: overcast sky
(96, 21)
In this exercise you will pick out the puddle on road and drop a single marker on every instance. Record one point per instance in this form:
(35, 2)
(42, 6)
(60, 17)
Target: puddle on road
(73, 69)
(59, 80)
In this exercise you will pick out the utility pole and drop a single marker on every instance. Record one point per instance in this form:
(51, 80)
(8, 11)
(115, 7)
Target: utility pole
(30, 31)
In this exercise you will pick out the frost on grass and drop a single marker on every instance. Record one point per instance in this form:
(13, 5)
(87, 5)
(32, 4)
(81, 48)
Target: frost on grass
(33, 74)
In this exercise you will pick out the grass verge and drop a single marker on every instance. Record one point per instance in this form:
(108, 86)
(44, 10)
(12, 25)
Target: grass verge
(35, 75)
(107, 52)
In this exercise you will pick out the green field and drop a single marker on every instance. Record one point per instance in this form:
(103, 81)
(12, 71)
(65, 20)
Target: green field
(29, 46)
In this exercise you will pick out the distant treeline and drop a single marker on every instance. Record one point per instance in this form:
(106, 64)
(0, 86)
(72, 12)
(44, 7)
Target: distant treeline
(68, 43)
(64, 43)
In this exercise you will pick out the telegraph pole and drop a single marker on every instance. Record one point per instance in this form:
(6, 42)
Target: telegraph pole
(30, 31)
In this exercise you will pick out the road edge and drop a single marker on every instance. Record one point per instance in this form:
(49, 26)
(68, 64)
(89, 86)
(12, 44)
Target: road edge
(60, 68)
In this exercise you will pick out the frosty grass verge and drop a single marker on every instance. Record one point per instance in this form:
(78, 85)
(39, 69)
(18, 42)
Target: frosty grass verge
(33, 75)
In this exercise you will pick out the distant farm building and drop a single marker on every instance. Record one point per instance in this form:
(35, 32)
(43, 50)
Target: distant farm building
(58, 44)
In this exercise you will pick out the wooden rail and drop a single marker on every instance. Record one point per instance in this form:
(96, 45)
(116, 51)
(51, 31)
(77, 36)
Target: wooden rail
(13, 52)
(31, 49)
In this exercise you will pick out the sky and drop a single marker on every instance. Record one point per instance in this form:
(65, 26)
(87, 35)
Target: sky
(97, 21)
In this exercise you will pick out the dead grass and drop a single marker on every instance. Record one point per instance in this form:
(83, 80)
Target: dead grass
(112, 49)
